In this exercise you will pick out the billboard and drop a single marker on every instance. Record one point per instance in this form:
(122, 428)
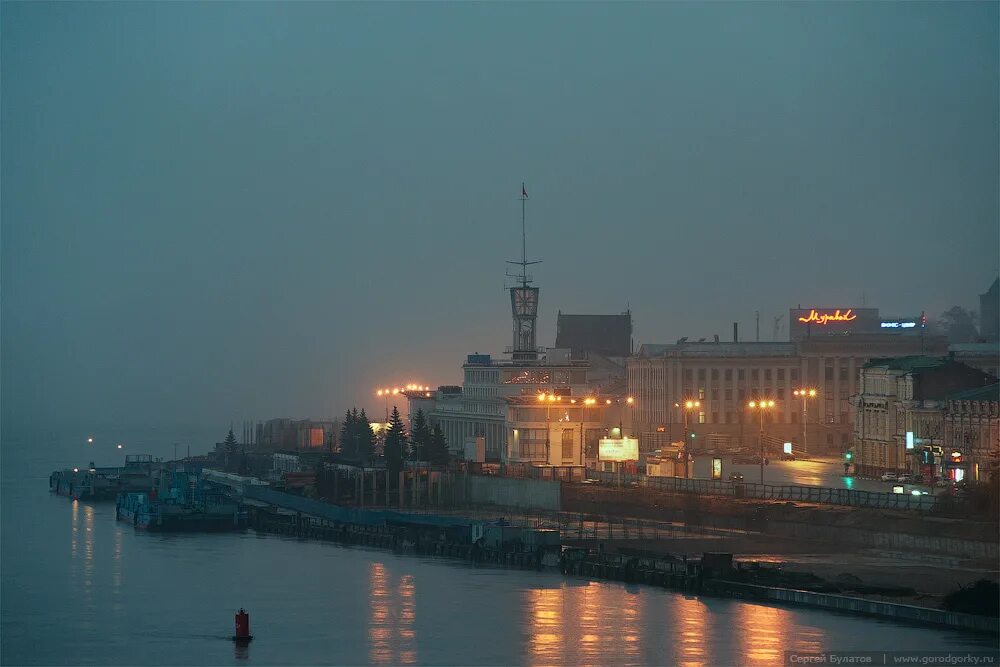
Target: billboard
(804, 322)
(619, 449)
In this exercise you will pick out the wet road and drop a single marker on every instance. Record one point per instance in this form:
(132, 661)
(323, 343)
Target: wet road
(827, 472)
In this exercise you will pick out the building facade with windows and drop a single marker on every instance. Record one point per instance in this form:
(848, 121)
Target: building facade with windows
(972, 433)
(900, 414)
(724, 376)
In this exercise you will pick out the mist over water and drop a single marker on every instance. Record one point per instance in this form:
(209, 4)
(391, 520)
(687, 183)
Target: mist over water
(82, 588)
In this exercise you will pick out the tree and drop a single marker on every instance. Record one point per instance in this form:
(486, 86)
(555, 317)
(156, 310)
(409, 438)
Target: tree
(395, 443)
(420, 437)
(230, 443)
(959, 325)
(366, 438)
(437, 449)
(356, 436)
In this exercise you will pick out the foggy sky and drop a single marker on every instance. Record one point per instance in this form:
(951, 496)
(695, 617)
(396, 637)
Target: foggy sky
(215, 211)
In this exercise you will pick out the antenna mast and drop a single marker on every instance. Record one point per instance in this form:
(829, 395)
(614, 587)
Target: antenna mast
(524, 299)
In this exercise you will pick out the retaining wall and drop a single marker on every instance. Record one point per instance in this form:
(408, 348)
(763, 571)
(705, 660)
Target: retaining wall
(513, 492)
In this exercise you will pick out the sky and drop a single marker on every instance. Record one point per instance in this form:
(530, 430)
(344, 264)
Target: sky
(219, 211)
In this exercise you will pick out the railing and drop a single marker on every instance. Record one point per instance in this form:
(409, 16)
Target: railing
(807, 494)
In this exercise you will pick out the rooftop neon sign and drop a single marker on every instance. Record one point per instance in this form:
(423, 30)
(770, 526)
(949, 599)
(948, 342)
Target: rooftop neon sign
(825, 318)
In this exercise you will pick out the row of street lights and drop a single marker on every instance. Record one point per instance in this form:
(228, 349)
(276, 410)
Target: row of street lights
(395, 391)
(761, 406)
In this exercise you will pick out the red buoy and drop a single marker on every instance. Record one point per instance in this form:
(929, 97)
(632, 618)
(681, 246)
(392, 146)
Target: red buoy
(242, 627)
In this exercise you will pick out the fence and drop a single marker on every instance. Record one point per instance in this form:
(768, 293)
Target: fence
(807, 494)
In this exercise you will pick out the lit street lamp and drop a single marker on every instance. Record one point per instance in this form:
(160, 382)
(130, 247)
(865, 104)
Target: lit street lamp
(548, 400)
(761, 406)
(804, 394)
(687, 407)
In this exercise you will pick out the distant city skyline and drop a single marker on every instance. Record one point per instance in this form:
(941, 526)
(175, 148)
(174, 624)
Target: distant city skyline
(219, 211)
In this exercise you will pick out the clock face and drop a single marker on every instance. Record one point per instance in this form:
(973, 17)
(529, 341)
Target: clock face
(524, 300)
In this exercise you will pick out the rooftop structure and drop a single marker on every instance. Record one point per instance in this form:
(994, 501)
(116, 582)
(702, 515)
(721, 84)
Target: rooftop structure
(606, 335)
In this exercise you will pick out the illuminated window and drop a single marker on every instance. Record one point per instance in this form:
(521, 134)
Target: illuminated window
(701, 393)
(701, 419)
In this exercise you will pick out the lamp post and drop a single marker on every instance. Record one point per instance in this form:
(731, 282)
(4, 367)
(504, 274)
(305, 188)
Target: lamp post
(686, 407)
(804, 394)
(761, 406)
(583, 416)
(548, 400)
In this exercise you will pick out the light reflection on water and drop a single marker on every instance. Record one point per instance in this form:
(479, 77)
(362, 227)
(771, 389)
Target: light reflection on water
(392, 615)
(79, 587)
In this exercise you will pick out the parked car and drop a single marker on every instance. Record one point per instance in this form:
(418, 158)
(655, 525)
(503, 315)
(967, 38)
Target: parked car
(888, 477)
(735, 477)
(788, 457)
(903, 478)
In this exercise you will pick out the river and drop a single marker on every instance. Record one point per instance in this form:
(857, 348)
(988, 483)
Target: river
(80, 588)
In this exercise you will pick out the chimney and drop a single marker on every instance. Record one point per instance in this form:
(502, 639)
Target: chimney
(736, 333)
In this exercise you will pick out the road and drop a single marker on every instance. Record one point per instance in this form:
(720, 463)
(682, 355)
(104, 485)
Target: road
(824, 472)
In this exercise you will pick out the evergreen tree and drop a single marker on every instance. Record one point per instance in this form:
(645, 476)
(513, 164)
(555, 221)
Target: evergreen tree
(395, 443)
(231, 443)
(366, 438)
(347, 435)
(437, 449)
(420, 437)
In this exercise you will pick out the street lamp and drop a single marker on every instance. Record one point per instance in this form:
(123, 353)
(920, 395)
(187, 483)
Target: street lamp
(804, 394)
(761, 406)
(583, 415)
(687, 407)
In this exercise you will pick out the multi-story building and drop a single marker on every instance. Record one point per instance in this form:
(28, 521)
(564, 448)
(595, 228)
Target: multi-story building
(724, 376)
(899, 412)
(499, 399)
(972, 434)
(285, 433)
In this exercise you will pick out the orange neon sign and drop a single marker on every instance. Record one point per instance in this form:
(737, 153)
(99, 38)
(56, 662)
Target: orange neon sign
(824, 318)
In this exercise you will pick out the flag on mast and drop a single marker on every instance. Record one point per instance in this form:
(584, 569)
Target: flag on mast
(524, 193)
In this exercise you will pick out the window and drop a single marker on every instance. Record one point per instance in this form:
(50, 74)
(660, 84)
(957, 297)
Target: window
(795, 374)
(781, 374)
(755, 375)
(687, 375)
(567, 445)
(781, 393)
(701, 420)
(715, 374)
(828, 373)
(715, 420)
(767, 375)
(701, 395)
(729, 374)
(701, 374)
(729, 394)
(843, 373)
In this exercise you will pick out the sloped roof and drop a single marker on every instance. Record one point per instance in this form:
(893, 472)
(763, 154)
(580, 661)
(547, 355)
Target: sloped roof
(988, 393)
(907, 363)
